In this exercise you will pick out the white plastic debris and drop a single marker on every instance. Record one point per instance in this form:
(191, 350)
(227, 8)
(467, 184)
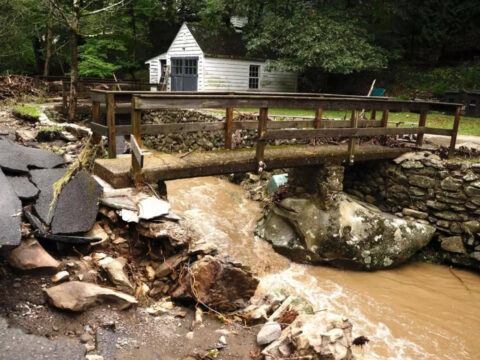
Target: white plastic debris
(152, 208)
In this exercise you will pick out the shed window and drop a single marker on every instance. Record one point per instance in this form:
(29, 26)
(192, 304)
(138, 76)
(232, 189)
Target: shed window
(253, 76)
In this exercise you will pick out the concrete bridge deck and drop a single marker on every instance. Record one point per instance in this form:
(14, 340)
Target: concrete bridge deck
(160, 166)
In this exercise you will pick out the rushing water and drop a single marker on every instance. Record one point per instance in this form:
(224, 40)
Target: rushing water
(418, 311)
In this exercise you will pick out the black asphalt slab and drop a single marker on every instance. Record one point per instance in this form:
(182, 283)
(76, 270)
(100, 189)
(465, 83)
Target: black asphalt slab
(44, 180)
(18, 158)
(23, 187)
(77, 205)
(10, 214)
(15, 344)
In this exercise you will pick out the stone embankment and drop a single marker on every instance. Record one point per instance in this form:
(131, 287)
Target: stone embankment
(201, 140)
(422, 187)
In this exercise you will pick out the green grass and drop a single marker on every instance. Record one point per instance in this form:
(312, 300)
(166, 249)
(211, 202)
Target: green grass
(468, 125)
(27, 110)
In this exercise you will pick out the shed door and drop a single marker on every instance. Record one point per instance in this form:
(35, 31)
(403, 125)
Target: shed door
(184, 76)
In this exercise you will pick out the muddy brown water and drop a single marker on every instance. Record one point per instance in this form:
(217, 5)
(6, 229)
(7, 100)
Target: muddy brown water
(417, 311)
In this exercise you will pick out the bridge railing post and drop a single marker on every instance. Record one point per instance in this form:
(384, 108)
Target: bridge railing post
(353, 139)
(421, 123)
(317, 122)
(453, 138)
(112, 143)
(229, 129)
(97, 138)
(136, 120)
(262, 130)
(373, 114)
(385, 114)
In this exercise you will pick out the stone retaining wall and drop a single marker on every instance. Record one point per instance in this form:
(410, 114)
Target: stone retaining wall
(201, 140)
(445, 194)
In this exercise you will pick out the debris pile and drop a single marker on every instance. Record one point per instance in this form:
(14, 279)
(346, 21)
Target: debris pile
(294, 330)
(14, 86)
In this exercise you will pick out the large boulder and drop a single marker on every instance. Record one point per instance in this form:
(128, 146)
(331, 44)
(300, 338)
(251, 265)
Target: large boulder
(219, 283)
(345, 233)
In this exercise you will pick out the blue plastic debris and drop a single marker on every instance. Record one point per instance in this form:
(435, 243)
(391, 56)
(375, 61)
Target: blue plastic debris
(275, 182)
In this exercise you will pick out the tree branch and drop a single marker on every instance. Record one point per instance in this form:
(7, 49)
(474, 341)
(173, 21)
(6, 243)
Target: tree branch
(94, 12)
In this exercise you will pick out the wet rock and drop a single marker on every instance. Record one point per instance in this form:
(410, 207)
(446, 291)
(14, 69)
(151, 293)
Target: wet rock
(451, 184)
(79, 296)
(347, 234)
(116, 273)
(269, 332)
(414, 213)
(44, 180)
(174, 232)
(421, 181)
(31, 255)
(453, 244)
(77, 205)
(24, 189)
(219, 283)
(10, 214)
(323, 335)
(19, 158)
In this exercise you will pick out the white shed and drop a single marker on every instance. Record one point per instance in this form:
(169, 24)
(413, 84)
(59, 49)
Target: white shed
(199, 61)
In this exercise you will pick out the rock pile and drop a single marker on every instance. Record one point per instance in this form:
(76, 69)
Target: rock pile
(422, 187)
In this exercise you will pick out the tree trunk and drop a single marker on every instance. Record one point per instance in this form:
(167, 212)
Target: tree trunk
(72, 107)
(74, 34)
(48, 54)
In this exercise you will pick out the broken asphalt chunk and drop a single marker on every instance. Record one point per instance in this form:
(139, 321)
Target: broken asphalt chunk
(18, 158)
(77, 205)
(44, 180)
(10, 214)
(24, 189)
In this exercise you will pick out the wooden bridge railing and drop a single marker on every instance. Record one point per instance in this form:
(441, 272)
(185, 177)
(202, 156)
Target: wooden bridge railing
(267, 130)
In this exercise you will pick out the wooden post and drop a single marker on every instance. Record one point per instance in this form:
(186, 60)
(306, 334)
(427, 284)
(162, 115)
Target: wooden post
(317, 123)
(137, 161)
(136, 119)
(453, 138)
(97, 138)
(262, 130)
(421, 123)
(353, 139)
(229, 129)
(385, 118)
(373, 114)
(112, 143)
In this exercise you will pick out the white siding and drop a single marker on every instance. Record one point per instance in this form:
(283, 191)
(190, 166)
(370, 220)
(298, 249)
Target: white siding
(185, 45)
(154, 71)
(232, 75)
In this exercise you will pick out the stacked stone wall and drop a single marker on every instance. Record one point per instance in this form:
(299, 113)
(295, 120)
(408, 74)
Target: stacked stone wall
(421, 186)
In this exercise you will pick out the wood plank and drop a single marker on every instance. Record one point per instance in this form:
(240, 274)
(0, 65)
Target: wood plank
(166, 101)
(262, 130)
(453, 139)
(421, 123)
(99, 129)
(359, 132)
(373, 114)
(229, 129)
(435, 131)
(112, 141)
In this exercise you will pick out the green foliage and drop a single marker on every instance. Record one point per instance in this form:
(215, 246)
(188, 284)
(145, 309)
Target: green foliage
(436, 81)
(330, 44)
(101, 57)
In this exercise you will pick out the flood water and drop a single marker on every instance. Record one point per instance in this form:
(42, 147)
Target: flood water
(417, 311)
